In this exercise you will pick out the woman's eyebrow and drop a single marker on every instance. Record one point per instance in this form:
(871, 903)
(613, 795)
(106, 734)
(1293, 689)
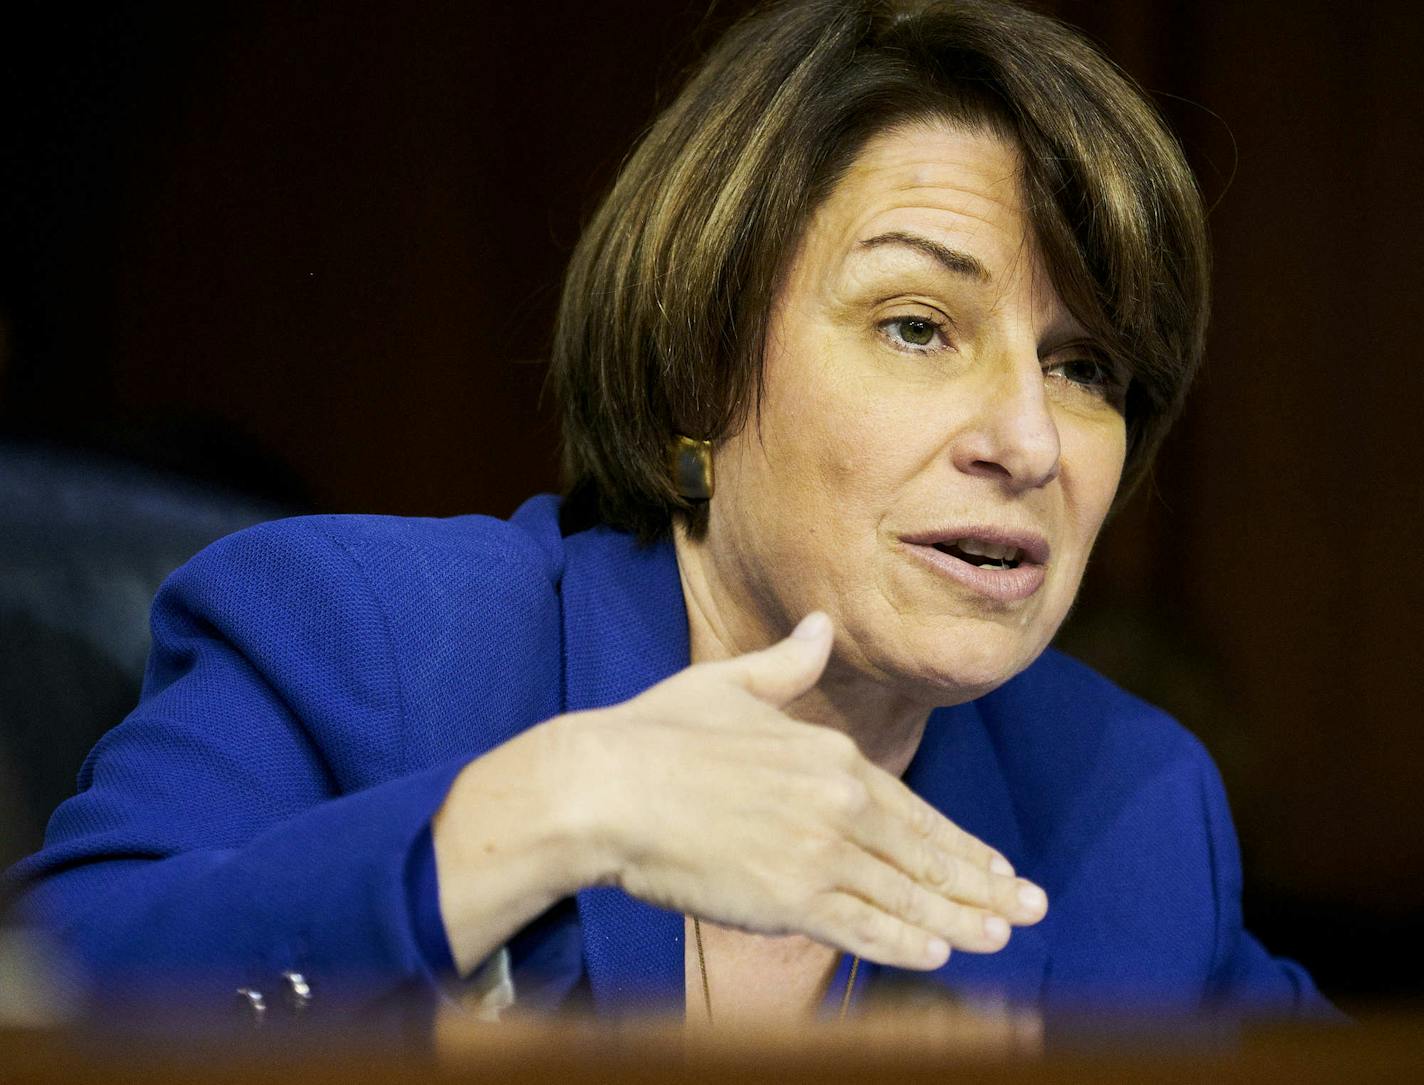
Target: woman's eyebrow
(960, 263)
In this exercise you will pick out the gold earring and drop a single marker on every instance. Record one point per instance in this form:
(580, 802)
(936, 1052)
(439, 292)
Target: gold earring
(692, 468)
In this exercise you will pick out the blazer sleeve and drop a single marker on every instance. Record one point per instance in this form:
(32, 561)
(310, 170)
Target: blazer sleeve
(259, 811)
(1246, 978)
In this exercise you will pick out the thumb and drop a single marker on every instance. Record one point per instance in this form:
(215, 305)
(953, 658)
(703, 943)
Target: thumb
(781, 673)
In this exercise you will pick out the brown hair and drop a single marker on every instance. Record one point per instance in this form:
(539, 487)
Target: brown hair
(661, 326)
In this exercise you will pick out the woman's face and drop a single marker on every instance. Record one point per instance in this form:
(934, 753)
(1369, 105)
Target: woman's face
(937, 445)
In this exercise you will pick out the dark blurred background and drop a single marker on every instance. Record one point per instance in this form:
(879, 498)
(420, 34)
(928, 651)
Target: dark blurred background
(270, 257)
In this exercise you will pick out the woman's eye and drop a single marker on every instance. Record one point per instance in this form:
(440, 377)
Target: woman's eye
(912, 331)
(1088, 372)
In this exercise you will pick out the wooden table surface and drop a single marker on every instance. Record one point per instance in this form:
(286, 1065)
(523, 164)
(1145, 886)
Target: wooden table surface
(1386, 1047)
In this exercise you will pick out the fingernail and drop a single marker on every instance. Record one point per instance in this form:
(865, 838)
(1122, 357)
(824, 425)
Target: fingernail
(1000, 865)
(1033, 898)
(811, 627)
(937, 949)
(996, 928)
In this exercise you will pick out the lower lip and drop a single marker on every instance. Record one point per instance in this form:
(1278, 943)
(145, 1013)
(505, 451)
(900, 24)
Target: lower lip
(1001, 585)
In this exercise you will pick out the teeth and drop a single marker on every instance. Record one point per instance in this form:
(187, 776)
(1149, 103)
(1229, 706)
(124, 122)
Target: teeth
(988, 550)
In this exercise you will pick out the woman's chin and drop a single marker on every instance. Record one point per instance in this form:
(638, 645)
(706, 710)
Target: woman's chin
(962, 685)
(967, 668)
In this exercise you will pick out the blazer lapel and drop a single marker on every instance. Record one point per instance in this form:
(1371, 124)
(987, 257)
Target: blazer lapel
(957, 770)
(625, 629)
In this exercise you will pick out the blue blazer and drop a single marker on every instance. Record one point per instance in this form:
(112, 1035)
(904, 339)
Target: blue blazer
(315, 685)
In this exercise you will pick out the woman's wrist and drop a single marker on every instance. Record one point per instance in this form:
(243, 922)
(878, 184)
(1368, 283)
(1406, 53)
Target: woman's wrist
(603, 807)
(519, 830)
(580, 788)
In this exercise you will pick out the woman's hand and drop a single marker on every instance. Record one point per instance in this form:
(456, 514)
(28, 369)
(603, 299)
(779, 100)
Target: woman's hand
(704, 797)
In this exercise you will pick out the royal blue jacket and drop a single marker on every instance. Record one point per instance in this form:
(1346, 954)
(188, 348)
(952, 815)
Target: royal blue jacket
(315, 685)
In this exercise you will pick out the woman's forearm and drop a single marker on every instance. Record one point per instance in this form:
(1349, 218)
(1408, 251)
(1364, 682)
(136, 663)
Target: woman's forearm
(514, 835)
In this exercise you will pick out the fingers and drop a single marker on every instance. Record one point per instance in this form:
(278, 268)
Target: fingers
(781, 673)
(858, 927)
(884, 915)
(919, 817)
(963, 926)
(935, 854)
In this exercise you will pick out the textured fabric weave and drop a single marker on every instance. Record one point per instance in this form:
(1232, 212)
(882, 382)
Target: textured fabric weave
(316, 684)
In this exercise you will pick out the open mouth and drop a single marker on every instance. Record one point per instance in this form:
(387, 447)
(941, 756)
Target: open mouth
(984, 555)
(1001, 564)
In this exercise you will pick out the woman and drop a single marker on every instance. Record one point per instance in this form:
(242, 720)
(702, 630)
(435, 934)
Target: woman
(888, 309)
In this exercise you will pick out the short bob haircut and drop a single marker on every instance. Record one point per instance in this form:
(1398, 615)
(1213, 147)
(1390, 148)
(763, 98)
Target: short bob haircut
(662, 323)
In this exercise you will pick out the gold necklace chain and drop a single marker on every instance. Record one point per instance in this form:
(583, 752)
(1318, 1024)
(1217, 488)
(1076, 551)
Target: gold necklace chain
(707, 988)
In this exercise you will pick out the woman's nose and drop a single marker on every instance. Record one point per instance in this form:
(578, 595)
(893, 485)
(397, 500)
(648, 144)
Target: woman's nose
(1012, 435)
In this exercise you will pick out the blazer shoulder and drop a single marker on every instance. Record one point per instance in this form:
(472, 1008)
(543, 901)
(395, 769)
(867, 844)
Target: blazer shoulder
(1126, 824)
(403, 559)
(1081, 755)
(369, 536)
(1084, 712)
(442, 622)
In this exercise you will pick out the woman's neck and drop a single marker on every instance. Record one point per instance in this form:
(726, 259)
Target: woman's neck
(886, 725)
